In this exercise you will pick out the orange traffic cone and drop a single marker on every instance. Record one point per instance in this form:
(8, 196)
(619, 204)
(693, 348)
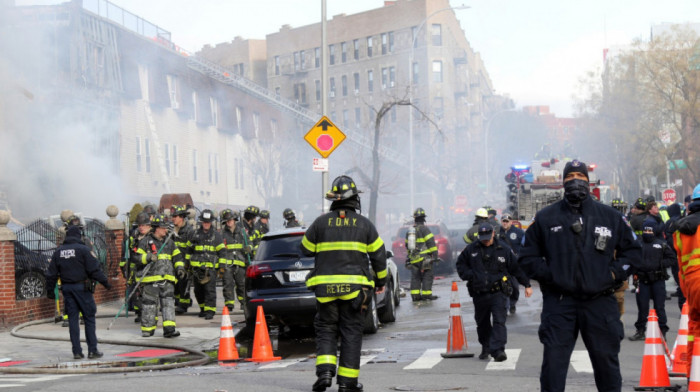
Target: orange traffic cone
(694, 380)
(679, 355)
(262, 348)
(227, 342)
(654, 372)
(456, 337)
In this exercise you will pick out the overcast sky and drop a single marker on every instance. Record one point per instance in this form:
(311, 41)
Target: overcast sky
(534, 50)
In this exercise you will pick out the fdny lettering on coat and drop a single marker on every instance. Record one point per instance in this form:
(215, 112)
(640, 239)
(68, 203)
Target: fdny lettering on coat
(342, 222)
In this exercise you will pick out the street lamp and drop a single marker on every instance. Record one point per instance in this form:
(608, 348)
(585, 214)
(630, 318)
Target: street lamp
(410, 98)
(486, 147)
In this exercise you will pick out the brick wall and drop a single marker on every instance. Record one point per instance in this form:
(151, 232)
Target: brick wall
(14, 312)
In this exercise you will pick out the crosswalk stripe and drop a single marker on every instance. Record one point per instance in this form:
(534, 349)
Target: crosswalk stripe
(280, 364)
(430, 358)
(581, 362)
(509, 364)
(366, 358)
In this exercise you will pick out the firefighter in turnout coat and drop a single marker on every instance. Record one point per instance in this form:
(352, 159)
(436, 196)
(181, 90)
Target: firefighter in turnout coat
(421, 258)
(207, 250)
(234, 265)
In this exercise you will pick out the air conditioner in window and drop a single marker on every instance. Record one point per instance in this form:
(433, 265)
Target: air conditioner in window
(391, 84)
(331, 94)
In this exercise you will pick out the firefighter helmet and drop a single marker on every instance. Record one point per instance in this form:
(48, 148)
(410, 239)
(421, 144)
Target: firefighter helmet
(176, 210)
(159, 221)
(143, 219)
(265, 214)
(419, 213)
(253, 210)
(482, 213)
(343, 187)
(73, 220)
(288, 214)
(150, 210)
(228, 214)
(207, 216)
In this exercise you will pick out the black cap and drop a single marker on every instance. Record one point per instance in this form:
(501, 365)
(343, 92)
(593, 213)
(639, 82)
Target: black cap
(575, 166)
(485, 231)
(687, 199)
(74, 231)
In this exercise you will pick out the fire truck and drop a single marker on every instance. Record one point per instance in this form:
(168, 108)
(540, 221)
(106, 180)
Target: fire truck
(535, 186)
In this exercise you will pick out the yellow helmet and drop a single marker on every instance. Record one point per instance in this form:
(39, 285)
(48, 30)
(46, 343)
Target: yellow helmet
(482, 213)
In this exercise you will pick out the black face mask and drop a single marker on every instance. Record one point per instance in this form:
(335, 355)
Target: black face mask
(576, 191)
(648, 237)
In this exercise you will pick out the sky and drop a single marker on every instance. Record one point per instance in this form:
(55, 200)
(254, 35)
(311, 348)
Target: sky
(535, 51)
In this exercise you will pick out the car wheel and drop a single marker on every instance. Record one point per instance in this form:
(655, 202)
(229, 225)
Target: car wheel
(388, 312)
(31, 285)
(397, 294)
(371, 317)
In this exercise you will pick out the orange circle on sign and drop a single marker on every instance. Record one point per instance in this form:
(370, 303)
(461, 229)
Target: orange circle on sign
(324, 142)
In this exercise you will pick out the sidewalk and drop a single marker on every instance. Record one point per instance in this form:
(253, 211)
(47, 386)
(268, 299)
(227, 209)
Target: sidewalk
(195, 333)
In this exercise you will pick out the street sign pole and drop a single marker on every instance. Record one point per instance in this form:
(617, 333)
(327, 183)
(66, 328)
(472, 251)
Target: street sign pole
(324, 96)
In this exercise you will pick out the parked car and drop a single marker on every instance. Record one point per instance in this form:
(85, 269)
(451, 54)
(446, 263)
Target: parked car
(442, 241)
(457, 230)
(276, 280)
(30, 270)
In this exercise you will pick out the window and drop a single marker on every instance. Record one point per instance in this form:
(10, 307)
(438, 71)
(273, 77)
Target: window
(331, 54)
(343, 52)
(391, 41)
(346, 118)
(416, 74)
(392, 76)
(438, 107)
(317, 57)
(318, 90)
(344, 84)
(273, 128)
(369, 46)
(176, 164)
(194, 165)
(437, 71)
(173, 91)
(302, 59)
(356, 77)
(393, 114)
(385, 77)
(214, 105)
(277, 92)
(297, 62)
(331, 93)
(356, 49)
(213, 168)
(416, 113)
(216, 168)
(300, 93)
(385, 43)
(195, 106)
(358, 115)
(414, 35)
(242, 173)
(370, 80)
(147, 150)
(138, 154)
(238, 69)
(236, 168)
(437, 35)
(210, 172)
(166, 150)
(277, 65)
(239, 118)
(256, 124)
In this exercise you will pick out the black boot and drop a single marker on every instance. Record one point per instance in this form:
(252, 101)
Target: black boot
(357, 387)
(416, 298)
(202, 313)
(325, 380)
(170, 332)
(639, 335)
(208, 315)
(484, 353)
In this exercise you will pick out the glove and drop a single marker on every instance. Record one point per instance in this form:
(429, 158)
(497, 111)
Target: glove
(152, 257)
(107, 285)
(248, 249)
(50, 294)
(181, 274)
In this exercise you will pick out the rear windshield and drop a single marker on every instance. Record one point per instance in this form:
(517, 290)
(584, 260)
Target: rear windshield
(279, 248)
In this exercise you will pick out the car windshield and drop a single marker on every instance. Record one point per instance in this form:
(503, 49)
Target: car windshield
(279, 248)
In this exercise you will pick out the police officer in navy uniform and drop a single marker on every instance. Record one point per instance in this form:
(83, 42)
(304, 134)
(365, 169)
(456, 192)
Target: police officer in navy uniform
(77, 268)
(513, 236)
(488, 265)
(344, 243)
(579, 250)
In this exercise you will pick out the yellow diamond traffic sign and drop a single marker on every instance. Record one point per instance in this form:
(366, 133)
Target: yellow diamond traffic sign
(324, 137)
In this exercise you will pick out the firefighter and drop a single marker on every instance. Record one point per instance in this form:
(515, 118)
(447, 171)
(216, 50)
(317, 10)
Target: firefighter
(233, 268)
(687, 245)
(488, 265)
(422, 254)
(73, 263)
(342, 240)
(638, 215)
(481, 215)
(262, 226)
(184, 232)
(252, 237)
(512, 236)
(652, 276)
(290, 219)
(579, 250)
(143, 228)
(207, 251)
(160, 261)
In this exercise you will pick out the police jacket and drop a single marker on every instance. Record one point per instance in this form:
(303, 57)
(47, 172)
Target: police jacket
(233, 243)
(513, 237)
(341, 240)
(568, 263)
(656, 257)
(183, 235)
(206, 249)
(426, 250)
(485, 267)
(168, 258)
(73, 263)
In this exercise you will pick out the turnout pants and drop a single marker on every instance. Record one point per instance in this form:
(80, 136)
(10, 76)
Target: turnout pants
(335, 319)
(421, 283)
(598, 321)
(182, 292)
(234, 285)
(205, 294)
(77, 301)
(655, 291)
(488, 306)
(163, 291)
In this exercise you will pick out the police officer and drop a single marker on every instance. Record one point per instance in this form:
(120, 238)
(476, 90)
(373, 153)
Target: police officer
(207, 250)
(652, 276)
(184, 232)
(342, 240)
(290, 219)
(488, 265)
(578, 250)
(235, 263)
(513, 236)
(142, 230)
(262, 226)
(74, 220)
(252, 237)
(77, 268)
(160, 261)
(420, 260)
